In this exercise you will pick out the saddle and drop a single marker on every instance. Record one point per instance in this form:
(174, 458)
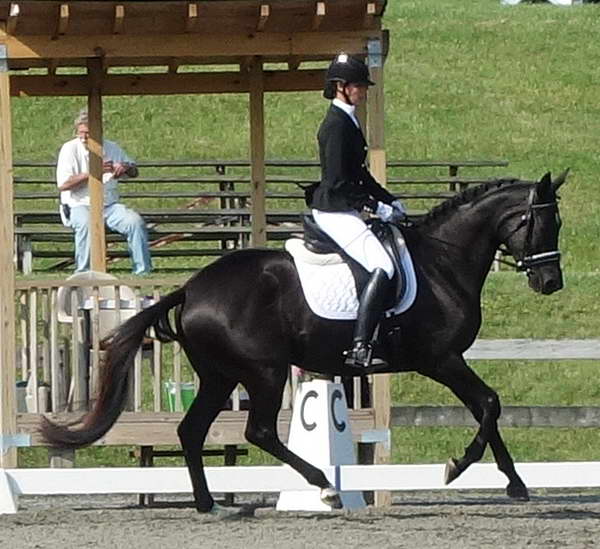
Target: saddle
(319, 242)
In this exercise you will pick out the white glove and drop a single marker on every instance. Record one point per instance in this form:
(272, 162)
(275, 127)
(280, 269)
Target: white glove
(384, 211)
(398, 211)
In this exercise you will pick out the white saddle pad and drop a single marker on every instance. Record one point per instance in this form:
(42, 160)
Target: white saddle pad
(329, 287)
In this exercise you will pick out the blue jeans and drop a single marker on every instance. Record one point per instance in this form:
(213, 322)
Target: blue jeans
(120, 219)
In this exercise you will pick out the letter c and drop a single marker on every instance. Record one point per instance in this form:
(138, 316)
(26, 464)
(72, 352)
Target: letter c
(307, 426)
(339, 425)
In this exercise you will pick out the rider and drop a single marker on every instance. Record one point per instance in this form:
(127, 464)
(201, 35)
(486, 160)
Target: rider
(345, 190)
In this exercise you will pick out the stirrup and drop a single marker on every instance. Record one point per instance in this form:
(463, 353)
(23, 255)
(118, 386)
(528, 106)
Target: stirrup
(361, 356)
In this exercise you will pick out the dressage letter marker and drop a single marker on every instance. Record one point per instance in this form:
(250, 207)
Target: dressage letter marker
(320, 434)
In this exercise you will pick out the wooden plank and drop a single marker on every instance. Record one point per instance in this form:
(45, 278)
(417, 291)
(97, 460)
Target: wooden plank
(263, 17)
(145, 49)
(165, 84)
(376, 136)
(168, 18)
(320, 12)
(298, 163)
(63, 19)
(96, 188)
(154, 429)
(13, 18)
(512, 416)
(119, 19)
(370, 13)
(534, 349)
(7, 280)
(257, 154)
(191, 18)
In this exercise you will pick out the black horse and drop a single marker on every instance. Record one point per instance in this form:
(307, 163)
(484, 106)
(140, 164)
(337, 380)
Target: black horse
(243, 319)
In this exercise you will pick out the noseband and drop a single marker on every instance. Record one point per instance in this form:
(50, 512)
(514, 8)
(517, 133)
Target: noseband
(530, 260)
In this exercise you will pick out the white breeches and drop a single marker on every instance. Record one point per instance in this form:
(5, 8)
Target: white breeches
(351, 234)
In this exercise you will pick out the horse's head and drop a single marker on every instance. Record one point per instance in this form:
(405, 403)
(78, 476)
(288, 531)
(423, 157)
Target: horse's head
(533, 242)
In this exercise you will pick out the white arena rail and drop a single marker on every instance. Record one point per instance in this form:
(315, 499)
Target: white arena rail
(172, 480)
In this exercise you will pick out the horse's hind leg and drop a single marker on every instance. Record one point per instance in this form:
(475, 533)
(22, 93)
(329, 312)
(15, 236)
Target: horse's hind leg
(484, 404)
(265, 394)
(192, 431)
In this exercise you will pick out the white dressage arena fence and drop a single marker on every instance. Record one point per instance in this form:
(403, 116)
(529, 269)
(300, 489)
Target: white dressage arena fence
(253, 479)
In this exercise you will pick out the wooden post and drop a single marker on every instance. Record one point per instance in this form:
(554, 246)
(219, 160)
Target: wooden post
(375, 124)
(97, 236)
(8, 406)
(257, 153)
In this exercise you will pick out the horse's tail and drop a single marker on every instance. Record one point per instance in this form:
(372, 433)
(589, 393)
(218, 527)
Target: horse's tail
(114, 375)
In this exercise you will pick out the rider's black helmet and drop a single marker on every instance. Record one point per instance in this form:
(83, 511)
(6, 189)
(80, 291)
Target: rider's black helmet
(348, 70)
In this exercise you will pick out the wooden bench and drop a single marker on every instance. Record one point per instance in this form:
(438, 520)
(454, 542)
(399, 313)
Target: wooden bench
(205, 207)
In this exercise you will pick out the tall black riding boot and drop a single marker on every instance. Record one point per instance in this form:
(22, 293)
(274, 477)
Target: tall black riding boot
(370, 309)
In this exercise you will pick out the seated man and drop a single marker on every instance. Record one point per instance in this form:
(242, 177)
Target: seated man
(72, 172)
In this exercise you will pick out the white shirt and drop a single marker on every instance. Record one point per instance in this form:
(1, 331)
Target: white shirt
(348, 109)
(74, 159)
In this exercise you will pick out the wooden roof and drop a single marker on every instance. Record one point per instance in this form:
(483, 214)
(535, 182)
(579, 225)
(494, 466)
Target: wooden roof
(203, 32)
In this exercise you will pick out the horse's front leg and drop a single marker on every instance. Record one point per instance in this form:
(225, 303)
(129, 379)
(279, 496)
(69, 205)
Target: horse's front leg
(484, 404)
(265, 394)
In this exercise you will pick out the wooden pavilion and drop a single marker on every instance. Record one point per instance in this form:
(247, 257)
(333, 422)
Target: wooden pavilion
(50, 48)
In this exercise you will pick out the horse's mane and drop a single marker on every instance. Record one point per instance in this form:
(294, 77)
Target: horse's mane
(468, 195)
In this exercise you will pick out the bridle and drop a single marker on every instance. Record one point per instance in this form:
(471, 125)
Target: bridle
(529, 260)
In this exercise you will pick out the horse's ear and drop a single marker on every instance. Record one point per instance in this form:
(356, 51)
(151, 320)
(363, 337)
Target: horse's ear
(543, 185)
(560, 180)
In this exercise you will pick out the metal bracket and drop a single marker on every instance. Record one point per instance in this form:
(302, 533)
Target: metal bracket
(3, 58)
(14, 441)
(375, 57)
(377, 435)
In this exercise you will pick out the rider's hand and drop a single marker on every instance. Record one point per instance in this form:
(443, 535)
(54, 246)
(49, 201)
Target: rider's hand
(384, 211)
(398, 211)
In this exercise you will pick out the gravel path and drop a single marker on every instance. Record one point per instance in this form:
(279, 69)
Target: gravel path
(463, 520)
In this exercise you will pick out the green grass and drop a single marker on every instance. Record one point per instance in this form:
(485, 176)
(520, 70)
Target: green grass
(464, 80)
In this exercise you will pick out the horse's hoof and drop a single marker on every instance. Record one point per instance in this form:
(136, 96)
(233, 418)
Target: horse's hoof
(219, 512)
(452, 472)
(329, 496)
(517, 492)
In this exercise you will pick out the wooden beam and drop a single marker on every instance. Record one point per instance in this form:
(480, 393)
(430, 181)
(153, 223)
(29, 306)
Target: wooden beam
(52, 66)
(512, 416)
(119, 19)
(192, 17)
(173, 66)
(320, 11)
(131, 47)
(160, 428)
(263, 17)
(8, 407)
(370, 12)
(246, 63)
(165, 84)
(63, 19)
(381, 383)
(13, 18)
(293, 63)
(257, 154)
(96, 188)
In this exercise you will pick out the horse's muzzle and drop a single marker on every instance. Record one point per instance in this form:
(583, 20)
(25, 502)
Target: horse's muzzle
(545, 280)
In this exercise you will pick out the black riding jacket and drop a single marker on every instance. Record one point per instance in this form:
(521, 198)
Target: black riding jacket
(346, 183)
